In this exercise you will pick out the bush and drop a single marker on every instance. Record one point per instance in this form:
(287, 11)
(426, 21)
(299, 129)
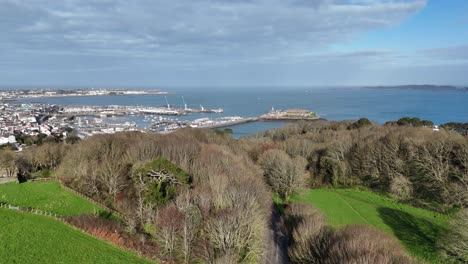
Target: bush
(45, 173)
(112, 232)
(362, 122)
(312, 241)
(401, 187)
(72, 139)
(309, 236)
(455, 241)
(364, 244)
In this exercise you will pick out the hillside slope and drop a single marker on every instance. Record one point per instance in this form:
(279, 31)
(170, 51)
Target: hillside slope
(416, 228)
(27, 238)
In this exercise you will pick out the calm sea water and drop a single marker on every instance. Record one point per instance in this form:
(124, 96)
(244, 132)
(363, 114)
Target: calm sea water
(332, 104)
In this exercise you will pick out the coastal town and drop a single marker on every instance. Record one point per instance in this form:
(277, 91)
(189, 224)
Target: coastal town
(27, 123)
(23, 124)
(32, 120)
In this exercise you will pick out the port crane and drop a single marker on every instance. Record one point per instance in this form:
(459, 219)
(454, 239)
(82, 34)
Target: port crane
(185, 105)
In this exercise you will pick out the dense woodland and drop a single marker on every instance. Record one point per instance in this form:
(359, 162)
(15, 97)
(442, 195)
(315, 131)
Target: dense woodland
(200, 195)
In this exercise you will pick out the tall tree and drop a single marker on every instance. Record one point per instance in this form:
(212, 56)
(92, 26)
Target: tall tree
(7, 162)
(283, 173)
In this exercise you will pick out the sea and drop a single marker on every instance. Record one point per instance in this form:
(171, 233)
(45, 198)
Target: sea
(330, 103)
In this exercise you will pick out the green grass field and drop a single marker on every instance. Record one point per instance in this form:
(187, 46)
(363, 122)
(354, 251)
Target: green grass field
(47, 196)
(28, 238)
(416, 228)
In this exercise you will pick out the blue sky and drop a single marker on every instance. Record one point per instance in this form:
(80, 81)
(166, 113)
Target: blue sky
(233, 42)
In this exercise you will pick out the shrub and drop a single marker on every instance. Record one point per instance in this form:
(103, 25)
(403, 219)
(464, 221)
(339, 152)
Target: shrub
(45, 173)
(362, 122)
(311, 241)
(309, 236)
(455, 241)
(401, 187)
(114, 233)
(364, 244)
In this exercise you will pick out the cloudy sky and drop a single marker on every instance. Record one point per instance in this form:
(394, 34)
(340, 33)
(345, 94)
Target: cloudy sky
(233, 42)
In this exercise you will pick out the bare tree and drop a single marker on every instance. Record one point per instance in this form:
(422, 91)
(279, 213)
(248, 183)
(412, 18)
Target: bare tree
(191, 223)
(7, 162)
(113, 175)
(455, 241)
(283, 174)
(168, 226)
(145, 209)
(433, 160)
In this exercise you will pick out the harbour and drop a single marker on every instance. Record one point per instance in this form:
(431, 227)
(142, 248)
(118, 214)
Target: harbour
(328, 103)
(34, 119)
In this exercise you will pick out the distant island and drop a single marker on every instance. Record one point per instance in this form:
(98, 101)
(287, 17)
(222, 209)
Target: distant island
(424, 87)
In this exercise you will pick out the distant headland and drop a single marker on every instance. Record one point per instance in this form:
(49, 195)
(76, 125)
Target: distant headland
(424, 87)
(43, 93)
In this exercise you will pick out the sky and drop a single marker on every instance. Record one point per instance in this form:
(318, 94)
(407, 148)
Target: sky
(242, 43)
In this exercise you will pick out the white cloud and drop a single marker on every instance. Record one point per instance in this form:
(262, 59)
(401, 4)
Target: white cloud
(205, 28)
(38, 26)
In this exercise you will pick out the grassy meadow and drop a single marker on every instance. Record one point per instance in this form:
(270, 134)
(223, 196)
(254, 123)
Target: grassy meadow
(46, 196)
(28, 238)
(416, 228)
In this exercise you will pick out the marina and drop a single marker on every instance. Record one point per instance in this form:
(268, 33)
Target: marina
(60, 121)
(165, 125)
(324, 102)
(121, 110)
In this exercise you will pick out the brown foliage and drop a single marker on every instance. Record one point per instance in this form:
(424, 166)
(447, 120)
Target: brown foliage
(409, 162)
(114, 233)
(45, 156)
(309, 236)
(7, 162)
(364, 244)
(223, 179)
(285, 175)
(168, 225)
(311, 241)
(454, 243)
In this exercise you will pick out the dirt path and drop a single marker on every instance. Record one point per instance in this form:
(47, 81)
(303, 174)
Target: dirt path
(277, 252)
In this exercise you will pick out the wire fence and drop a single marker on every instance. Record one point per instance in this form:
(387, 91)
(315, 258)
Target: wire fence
(63, 218)
(31, 210)
(91, 200)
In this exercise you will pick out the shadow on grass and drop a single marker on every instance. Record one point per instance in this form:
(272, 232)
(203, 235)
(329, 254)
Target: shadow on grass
(417, 234)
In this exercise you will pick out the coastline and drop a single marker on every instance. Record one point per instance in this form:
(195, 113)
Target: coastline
(13, 96)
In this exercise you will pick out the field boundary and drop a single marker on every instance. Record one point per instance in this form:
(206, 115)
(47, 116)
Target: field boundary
(5, 180)
(110, 210)
(32, 211)
(91, 200)
(62, 218)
